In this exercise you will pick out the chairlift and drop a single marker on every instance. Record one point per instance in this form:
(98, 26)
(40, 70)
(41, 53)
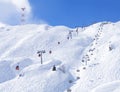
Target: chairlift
(42, 51)
(39, 55)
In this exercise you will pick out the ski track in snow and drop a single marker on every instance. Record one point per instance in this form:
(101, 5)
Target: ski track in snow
(17, 45)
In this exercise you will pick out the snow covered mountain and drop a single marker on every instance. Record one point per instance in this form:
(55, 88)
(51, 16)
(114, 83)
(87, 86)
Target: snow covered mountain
(86, 59)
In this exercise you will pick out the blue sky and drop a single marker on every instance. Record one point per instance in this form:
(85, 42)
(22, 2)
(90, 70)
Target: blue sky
(75, 12)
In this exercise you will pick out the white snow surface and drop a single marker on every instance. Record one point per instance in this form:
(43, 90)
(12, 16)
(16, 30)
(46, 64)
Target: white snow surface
(89, 62)
(108, 87)
(2, 24)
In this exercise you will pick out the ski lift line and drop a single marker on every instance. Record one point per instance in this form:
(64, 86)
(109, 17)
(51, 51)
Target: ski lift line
(23, 15)
(51, 44)
(47, 42)
(86, 60)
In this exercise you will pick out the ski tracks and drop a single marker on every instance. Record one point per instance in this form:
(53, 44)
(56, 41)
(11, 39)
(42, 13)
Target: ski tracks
(17, 45)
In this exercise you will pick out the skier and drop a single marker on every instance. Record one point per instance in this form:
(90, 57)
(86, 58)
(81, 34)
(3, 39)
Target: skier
(50, 52)
(21, 74)
(68, 37)
(110, 46)
(54, 68)
(70, 34)
(77, 31)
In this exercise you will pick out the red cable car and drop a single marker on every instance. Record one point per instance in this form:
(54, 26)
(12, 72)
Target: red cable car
(17, 67)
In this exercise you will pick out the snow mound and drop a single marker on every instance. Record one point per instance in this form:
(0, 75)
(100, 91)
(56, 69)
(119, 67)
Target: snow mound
(37, 78)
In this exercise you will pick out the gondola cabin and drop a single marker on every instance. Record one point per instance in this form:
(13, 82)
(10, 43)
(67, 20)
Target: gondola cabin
(17, 67)
(58, 42)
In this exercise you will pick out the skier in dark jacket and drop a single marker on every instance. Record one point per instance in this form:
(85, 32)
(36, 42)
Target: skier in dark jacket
(54, 68)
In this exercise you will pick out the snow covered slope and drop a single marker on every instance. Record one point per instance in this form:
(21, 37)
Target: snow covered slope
(2, 25)
(89, 58)
(109, 87)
